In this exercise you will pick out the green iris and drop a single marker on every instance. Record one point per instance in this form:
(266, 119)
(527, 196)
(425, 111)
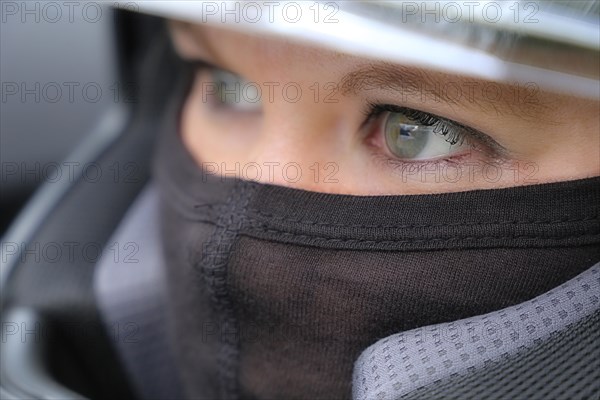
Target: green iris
(404, 137)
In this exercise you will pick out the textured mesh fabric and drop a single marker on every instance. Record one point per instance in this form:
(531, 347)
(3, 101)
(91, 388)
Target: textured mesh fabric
(516, 352)
(565, 366)
(274, 292)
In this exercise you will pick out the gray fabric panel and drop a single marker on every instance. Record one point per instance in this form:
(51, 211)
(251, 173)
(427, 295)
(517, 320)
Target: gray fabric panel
(400, 364)
(129, 287)
(566, 366)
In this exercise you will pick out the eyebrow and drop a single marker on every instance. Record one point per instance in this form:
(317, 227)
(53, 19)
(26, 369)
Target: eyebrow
(516, 100)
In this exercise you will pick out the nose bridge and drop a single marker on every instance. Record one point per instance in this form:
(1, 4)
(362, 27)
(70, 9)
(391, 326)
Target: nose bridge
(298, 139)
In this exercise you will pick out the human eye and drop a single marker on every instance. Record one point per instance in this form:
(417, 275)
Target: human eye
(408, 135)
(227, 91)
(234, 92)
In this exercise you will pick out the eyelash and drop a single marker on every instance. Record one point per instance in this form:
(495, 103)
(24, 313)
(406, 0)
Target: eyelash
(455, 133)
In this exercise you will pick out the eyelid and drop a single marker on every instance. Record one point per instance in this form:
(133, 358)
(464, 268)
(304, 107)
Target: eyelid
(497, 150)
(200, 64)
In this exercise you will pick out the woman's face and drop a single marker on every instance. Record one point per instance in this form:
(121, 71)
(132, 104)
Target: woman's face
(282, 113)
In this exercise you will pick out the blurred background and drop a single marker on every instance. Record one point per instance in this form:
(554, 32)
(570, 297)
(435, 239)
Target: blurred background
(57, 73)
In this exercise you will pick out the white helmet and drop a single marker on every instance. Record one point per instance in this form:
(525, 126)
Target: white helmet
(554, 44)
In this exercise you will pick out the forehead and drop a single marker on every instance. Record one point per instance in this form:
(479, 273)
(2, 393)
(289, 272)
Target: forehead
(228, 48)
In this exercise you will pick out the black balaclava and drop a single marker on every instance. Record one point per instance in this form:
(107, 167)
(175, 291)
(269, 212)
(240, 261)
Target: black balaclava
(274, 292)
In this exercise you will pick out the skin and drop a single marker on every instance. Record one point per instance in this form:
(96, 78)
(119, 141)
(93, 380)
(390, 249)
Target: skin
(545, 137)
